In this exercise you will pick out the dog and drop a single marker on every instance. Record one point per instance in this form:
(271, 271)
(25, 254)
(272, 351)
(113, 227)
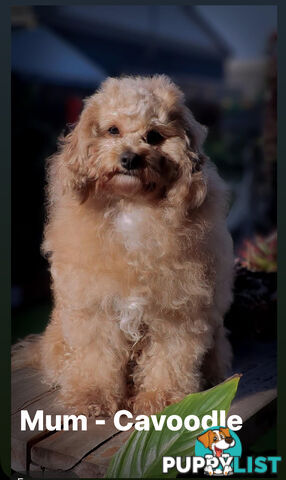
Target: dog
(217, 441)
(140, 256)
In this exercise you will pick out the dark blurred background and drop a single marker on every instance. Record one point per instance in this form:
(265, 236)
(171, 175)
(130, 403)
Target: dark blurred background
(224, 59)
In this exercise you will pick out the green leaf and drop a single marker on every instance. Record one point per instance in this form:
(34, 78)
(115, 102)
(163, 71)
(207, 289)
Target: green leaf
(141, 456)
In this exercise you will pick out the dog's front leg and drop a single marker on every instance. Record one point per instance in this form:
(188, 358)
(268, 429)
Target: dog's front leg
(168, 369)
(90, 365)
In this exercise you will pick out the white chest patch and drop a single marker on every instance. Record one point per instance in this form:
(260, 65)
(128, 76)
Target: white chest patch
(130, 224)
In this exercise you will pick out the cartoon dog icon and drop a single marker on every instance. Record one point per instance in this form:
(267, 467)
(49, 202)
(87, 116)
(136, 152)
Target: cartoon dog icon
(217, 441)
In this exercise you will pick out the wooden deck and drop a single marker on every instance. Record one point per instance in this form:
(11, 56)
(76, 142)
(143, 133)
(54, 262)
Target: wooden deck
(86, 454)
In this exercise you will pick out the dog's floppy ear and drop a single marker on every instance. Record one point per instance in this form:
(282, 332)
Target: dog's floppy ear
(191, 188)
(73, 156)
(196, 134)
(206, 438)
(189, 191)
(225, 431)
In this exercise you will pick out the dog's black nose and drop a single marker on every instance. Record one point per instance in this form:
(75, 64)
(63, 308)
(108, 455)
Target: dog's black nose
(131, 161)
(229, 440)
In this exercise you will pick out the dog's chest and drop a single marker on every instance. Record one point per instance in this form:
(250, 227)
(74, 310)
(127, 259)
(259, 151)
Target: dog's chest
(131, 226)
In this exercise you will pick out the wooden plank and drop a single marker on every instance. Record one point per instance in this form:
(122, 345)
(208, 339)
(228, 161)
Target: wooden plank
(64, 449)
(28, 393)
(96, 463)
(26, 387)
(88, 453)
(249, 405)
(21, 441)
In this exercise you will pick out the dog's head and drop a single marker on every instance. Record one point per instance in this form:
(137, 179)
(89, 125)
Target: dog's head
(217, 440)
(136, 138)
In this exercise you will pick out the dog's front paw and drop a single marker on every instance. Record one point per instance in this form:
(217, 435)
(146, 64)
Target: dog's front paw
(208, 470)
(227, 470)
(147, 403)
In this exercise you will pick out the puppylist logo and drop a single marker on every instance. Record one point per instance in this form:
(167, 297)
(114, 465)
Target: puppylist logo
(218, 452)
(218, 446)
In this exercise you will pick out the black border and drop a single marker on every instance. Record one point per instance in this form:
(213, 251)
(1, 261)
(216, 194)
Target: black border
(5, 211)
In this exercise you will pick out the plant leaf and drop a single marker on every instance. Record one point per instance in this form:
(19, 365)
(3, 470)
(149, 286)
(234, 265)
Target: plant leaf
(141, 456)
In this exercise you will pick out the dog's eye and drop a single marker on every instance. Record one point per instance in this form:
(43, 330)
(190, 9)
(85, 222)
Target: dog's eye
(222, 436)
(215, 439)
(153, 137)
(113, 130)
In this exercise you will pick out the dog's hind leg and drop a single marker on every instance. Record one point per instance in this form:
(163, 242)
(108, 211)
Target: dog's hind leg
(217, 361)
